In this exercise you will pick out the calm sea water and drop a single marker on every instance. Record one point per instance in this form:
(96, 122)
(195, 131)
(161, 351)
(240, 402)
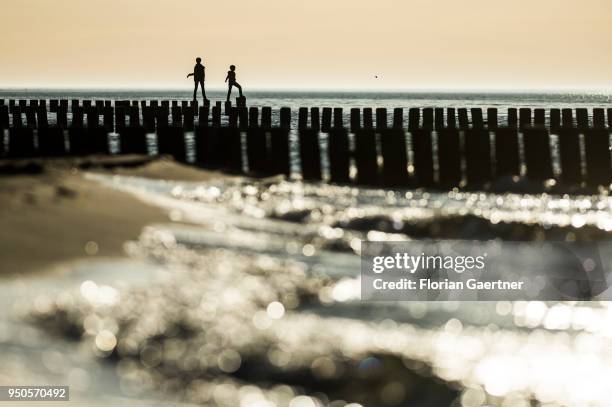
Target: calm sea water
(249, 295)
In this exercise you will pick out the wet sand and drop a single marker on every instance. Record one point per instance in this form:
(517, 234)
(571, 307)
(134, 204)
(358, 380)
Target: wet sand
(51, 215)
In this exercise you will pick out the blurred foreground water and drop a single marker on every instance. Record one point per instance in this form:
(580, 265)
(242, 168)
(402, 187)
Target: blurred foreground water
(250, 297)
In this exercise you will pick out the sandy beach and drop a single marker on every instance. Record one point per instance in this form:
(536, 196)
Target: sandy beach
(51, 215)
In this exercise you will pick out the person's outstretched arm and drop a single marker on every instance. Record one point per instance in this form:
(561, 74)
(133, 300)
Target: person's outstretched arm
(227, 77)
(191, 74)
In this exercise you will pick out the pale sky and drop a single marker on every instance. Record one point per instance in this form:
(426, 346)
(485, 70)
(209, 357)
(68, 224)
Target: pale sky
(314, 44)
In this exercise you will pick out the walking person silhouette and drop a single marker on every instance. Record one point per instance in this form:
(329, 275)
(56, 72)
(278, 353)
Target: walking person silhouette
(198, 78)
(231, 79)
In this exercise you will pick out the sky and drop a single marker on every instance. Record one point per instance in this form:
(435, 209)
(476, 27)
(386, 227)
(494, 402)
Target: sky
(314, 44)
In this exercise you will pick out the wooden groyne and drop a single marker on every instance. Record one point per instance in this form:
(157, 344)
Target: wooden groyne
(415, 147)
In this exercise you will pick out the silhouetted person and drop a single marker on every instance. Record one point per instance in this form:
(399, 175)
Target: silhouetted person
(231, 81)
(198, 78)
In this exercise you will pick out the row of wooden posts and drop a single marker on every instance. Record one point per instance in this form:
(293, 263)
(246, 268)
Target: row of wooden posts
(444, 155)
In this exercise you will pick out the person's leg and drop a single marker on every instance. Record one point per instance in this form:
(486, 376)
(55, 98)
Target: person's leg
(203, 90)
(239, 88)
(195, 89)
(229, 91)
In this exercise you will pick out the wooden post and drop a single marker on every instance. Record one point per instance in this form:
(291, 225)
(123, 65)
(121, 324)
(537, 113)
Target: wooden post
(87, 103)
(395, 159)
(477, 119)
(232, 145)
(599, 118)
(21, 142)
(537, 154)
(279, 149)
(355, 119)
(555, 119)
(62, 117)
(539, 118)
(507, 161)
(338, 120)
(233, 118)
(381, 118)
(134, 115)
(285, 118)
(228, 107)
(310, 155)
(120, 116)
(315, 121)
(243, 118)
(4, 117)
(597, 149)
(175, 103)
(451, 118)
(368, 123)
(477, 157)
(253, 116)
(53, 105)
(51, 141)
(77, 117)
(257, 150)
(31, 117)
(428, 119)
(93, 120)
(449, 158)
(208, 144)
(161, 116)
(216, 115)
(171, 140)
(492, 118)
(365, 157)
(326, 119)
(582, 117)
(266, 117)
(108, 118)
(463, 118)
(567, 118)
(184, 104)
(569, 155)
(148, 119)
(610, 118)
(203, 113)
(177, 116)
(302, 118)
(438, 118)
(524, 117)
(512, 117)
(423, 157)
(41, 117)
(339, 156)
(414, 118)
(398, 118)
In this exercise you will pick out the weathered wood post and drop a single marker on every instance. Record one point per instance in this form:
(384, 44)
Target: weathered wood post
(203, 113)
(582, 118)
(228, 108)
(253, 116)
(365, 157)
(120, 118)
(428, 119)
(478, 169)
(597, 149)
(524, 117)
(451, 118)
(177, 116)
(243, 117)
(310, 155)
(326, 119)
(368, 122)
(567, 119)
(285, 118)
(381, 118)
(539, 117)
(279, 147)
(555, 119)
(302, 118)
(395, 159)
(257, 149)
(355, 119)
(233, 118)
(537, 154)
(463, 118)
(414, 118)
(339, 156)
(188, 119)
(423, 157)
(108, 118)
(477, 119)
(266, 117)
(216, 116)
(507, 162)
(610, 118)
(315, 120)
(569, 156)
(438, 118)
(398, 118)
(599, 118)
(492, 118)
(512, 117)
(338, 119)
(449, 158)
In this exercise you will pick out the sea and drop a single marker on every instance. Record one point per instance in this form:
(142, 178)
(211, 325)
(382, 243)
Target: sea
(249, 295)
